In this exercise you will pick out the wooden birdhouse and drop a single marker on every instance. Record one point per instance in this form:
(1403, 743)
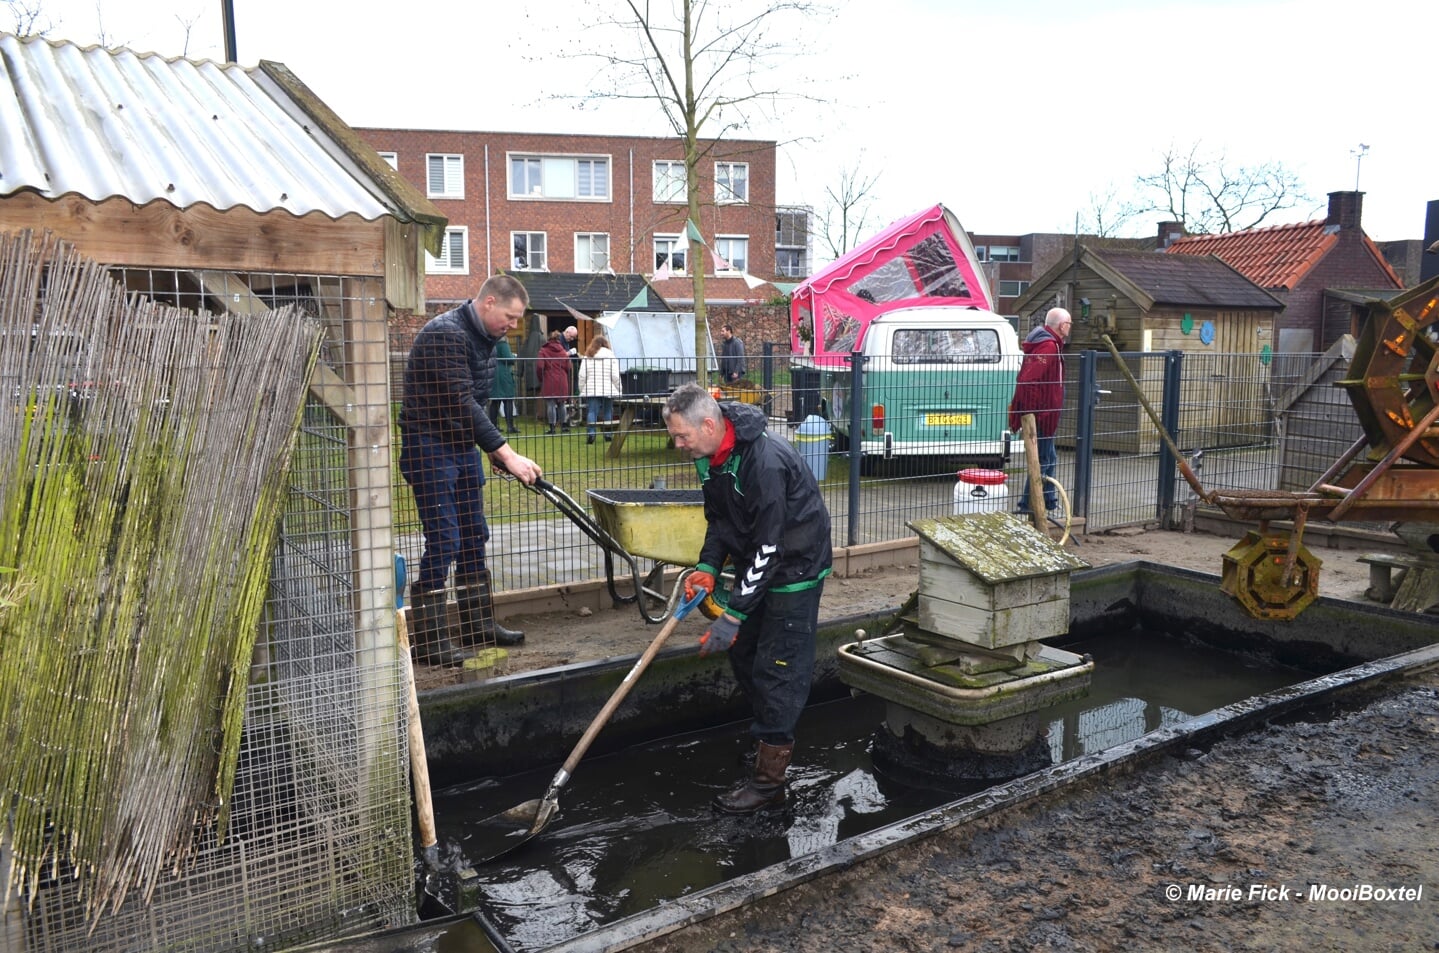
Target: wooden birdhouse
(992, 580)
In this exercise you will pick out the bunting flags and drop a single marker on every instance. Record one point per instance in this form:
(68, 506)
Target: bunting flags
(785, 287)
(662, 273)
(693, 233)
(641, 300)
(575, 314)
(719, 263)
(751, 281)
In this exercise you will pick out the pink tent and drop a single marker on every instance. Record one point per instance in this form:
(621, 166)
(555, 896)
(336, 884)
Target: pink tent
(924, 259)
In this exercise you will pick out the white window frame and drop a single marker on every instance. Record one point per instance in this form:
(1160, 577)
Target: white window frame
(725, 191)
(1006, 253)
(981, 252)
(1019, 284)
(724, 247)
(559, 177)
(452, 175)
(584, 259)
(678, 244)
(530, 253)
(667, 189)
(457, 239)
(391, 158)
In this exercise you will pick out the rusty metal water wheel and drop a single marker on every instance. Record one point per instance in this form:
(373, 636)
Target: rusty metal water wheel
(1393, 380)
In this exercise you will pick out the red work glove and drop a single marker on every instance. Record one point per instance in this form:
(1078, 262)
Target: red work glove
(697, 580)
(721, 635)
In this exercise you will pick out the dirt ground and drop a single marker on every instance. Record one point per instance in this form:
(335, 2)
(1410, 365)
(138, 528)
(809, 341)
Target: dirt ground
(559, 638)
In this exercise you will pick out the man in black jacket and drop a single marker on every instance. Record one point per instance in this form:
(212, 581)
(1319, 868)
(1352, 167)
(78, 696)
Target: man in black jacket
(765, 515)
(443, 419)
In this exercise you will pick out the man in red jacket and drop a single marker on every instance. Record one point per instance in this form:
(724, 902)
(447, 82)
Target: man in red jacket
(1040, 391)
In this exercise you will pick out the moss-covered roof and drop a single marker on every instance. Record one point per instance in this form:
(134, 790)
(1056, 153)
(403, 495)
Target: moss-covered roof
(997, 547)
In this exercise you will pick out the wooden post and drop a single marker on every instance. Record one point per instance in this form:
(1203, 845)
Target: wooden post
(1037, 511)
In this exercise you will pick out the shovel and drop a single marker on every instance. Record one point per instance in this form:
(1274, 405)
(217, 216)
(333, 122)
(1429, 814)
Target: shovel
(517, 825)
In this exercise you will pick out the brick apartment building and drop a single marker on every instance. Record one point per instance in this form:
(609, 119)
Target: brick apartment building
(591, 204)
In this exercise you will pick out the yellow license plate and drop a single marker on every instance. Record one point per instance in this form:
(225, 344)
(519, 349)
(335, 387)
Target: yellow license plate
(949, 420)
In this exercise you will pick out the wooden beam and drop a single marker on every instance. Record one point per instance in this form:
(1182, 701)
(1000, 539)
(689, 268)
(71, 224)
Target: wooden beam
(118, 232)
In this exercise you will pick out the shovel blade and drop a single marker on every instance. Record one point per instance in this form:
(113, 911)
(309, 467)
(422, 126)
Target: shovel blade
(497, 835)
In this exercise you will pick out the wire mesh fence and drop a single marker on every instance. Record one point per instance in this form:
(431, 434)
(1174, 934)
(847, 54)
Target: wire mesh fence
(1240, 420)
(318, 839)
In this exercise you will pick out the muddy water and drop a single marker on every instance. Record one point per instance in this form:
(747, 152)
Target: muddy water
(636, 829)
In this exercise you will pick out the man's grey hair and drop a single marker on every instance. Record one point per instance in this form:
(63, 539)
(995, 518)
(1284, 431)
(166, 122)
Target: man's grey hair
(693, 404)
(505, 288)
(1056, 317)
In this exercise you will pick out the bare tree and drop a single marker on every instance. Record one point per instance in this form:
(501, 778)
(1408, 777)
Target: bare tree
(1107, 214)
(28, 17)
(846, 214)
(709, 66)
(1211, 196)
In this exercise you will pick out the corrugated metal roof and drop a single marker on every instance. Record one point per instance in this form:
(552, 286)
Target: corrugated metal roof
(105, 123)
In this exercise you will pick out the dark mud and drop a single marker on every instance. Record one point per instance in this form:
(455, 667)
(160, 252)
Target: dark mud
(1346, 798)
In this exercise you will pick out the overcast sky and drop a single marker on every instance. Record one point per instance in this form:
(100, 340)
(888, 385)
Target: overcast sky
(1014, 114)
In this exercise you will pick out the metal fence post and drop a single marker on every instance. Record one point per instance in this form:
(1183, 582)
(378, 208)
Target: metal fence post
(1169, 417)
(856, 457)
(1084, 431)
(767, 378)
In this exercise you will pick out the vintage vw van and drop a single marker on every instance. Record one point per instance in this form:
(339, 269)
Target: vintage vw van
(937, 383)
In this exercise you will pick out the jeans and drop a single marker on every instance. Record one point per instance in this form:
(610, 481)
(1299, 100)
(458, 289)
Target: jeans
(773, 661)
(1048, 466)
(449, 494)
(598, 408)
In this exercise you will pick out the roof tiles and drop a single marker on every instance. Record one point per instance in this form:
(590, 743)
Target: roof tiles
(1276, 258)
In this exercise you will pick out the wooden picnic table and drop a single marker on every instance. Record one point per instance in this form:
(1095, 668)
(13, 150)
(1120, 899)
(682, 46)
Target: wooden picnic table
(629, 408)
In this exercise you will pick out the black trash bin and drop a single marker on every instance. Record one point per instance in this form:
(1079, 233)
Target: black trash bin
(804, 391)
(646, 382)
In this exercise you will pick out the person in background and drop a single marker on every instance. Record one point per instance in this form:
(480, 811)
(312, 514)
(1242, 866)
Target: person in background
(554, 362)
(599, 384)
(502, 396)
(764, 514)
(449, 375)
(1039, 390)
(732, 364)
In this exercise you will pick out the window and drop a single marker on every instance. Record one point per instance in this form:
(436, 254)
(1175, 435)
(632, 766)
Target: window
(980, 252)
(392, 159)
(670, 251)
(669, 181)
(946, 346)
(734, 250)
(560, 177)
(789, 262)
(1004, 253)
(529, 251)
(731, 182)
(454, 254)
(445, 176)
(592, 251)
(1012, 289)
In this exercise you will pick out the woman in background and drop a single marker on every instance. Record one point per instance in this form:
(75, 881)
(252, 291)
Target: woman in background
(599, 383)
(555, 381)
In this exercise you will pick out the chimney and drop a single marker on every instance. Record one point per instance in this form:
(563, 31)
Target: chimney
(1169, 233)
(1345, 209)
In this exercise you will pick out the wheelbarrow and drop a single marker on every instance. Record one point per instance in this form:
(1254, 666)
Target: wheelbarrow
(666, 526)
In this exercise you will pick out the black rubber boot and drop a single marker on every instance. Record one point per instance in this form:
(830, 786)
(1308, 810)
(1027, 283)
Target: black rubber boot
(429, 622)
(765, 788)
(478, 626)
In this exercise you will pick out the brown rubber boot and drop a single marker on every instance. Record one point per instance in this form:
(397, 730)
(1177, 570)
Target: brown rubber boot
(478, 626)
(430, 631)
(765, 788)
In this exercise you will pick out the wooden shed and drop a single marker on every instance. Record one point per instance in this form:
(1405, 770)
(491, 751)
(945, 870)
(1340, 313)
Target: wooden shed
(1147, 302)
(219, 188)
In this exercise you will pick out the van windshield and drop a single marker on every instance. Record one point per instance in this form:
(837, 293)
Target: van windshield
(946, 346)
